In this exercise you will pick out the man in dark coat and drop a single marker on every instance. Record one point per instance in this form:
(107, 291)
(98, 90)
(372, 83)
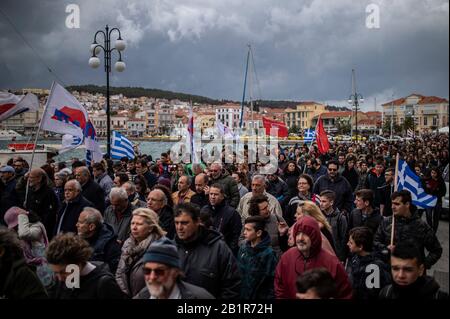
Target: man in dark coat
(206, 260)
(91, 190)
(42, 199)
(408, 273)
(73, 205)
(225, 218)
(118, 214)
(221, 176)
(100, 237)
(364, 214)
(408, 225)
(338, 184)
(142, 169)
(201, 197)
(375, 180)
(158, 202)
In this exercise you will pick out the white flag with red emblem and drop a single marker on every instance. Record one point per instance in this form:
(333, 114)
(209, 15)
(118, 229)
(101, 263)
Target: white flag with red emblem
(11, 104)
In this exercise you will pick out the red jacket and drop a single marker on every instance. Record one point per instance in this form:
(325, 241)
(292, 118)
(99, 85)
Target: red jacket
(292, 264)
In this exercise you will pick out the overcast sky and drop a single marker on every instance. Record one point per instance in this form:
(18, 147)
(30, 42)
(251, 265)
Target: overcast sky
(303, 50)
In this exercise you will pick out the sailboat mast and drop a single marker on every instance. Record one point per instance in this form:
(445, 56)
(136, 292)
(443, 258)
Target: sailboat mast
(251, 90)
(243, 94)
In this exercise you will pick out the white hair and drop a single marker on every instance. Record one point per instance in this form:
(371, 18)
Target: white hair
(118, 192)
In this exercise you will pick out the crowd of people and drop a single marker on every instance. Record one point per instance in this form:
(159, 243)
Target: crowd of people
(318, 226)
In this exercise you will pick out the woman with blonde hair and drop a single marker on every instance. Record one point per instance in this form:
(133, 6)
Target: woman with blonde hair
(311, 209)
(145, 230)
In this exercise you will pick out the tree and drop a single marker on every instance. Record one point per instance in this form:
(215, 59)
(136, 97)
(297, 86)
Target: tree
(408, 124)
(294, 129)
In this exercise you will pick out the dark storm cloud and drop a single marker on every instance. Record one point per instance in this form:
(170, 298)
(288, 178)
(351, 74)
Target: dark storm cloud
(303, 50)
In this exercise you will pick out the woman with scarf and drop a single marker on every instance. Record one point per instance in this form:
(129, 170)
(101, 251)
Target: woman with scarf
(144, 231)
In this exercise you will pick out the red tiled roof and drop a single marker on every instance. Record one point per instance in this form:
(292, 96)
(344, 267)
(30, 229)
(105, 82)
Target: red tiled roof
(432, 100)
(329, 115)
(422, 100)
(373, 113)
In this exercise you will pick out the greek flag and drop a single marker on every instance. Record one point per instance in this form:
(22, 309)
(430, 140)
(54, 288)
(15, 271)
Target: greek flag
(309, 136)
(408, 180)
(121, 146)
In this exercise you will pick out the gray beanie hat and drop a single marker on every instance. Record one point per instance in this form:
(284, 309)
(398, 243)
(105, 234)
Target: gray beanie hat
(163, 251)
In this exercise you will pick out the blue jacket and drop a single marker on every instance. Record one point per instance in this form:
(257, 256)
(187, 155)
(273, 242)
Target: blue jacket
(257, 267)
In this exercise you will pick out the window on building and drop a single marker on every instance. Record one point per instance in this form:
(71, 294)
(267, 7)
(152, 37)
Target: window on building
(434, 121)
(425, 121)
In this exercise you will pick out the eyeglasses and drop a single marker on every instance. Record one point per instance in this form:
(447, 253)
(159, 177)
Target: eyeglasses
(332, 169)
(158, 271)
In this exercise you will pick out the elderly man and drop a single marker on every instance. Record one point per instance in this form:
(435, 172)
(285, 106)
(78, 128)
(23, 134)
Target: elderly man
(8, 196)
(184, 193)
(162, 273)
(42, 199)
(91, 190)
(133, 196)
(157, 201)
(100, 236)
(258, 187)
(102, 179)
(73, 205)
(221, 176)
(118, 214)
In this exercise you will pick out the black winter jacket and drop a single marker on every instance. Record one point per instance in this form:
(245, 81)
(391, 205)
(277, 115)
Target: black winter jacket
(425, 288)
(94, 193)
(106, 248)
(342, 188)
(45, 204)
(358, 219)
(227, 221)
(208, 262)
(69, 213)
(98, 284)
(409, 228)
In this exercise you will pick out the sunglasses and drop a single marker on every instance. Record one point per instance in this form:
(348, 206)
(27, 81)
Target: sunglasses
(158, 271)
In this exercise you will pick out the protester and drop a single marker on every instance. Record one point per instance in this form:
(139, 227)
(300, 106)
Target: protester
(144, 230)
(67, 253)
(409, 279)
(256, 261)
(316, 283)
(118, 214)
(163, 276)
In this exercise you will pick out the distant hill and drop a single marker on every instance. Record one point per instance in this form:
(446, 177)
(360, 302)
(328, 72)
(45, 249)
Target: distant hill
(133, 92)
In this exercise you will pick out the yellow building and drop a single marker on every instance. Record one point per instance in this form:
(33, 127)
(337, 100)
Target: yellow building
(429, 112)
(303, 114)
(206, 120)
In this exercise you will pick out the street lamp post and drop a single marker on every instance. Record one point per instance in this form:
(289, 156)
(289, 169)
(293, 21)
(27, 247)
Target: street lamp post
(354, 99)
(94, 62)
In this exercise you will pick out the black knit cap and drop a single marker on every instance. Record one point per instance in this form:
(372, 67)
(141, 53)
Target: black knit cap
(163, 251)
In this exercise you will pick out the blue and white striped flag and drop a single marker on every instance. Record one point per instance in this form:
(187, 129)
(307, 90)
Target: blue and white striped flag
(408, 180)
(121, 146)
(309, 135)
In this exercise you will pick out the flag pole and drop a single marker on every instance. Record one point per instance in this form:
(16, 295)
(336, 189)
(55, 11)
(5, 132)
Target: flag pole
(35, 142)
(395, 189)
(312, 141)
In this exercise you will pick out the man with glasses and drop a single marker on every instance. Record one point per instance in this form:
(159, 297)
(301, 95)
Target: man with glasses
(339, 185)
(162, 273)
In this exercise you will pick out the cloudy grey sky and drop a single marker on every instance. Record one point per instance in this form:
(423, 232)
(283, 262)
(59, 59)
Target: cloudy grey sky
(303, 50)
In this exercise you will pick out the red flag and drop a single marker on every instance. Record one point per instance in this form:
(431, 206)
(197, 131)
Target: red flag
(268, 124)
(321, 137)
